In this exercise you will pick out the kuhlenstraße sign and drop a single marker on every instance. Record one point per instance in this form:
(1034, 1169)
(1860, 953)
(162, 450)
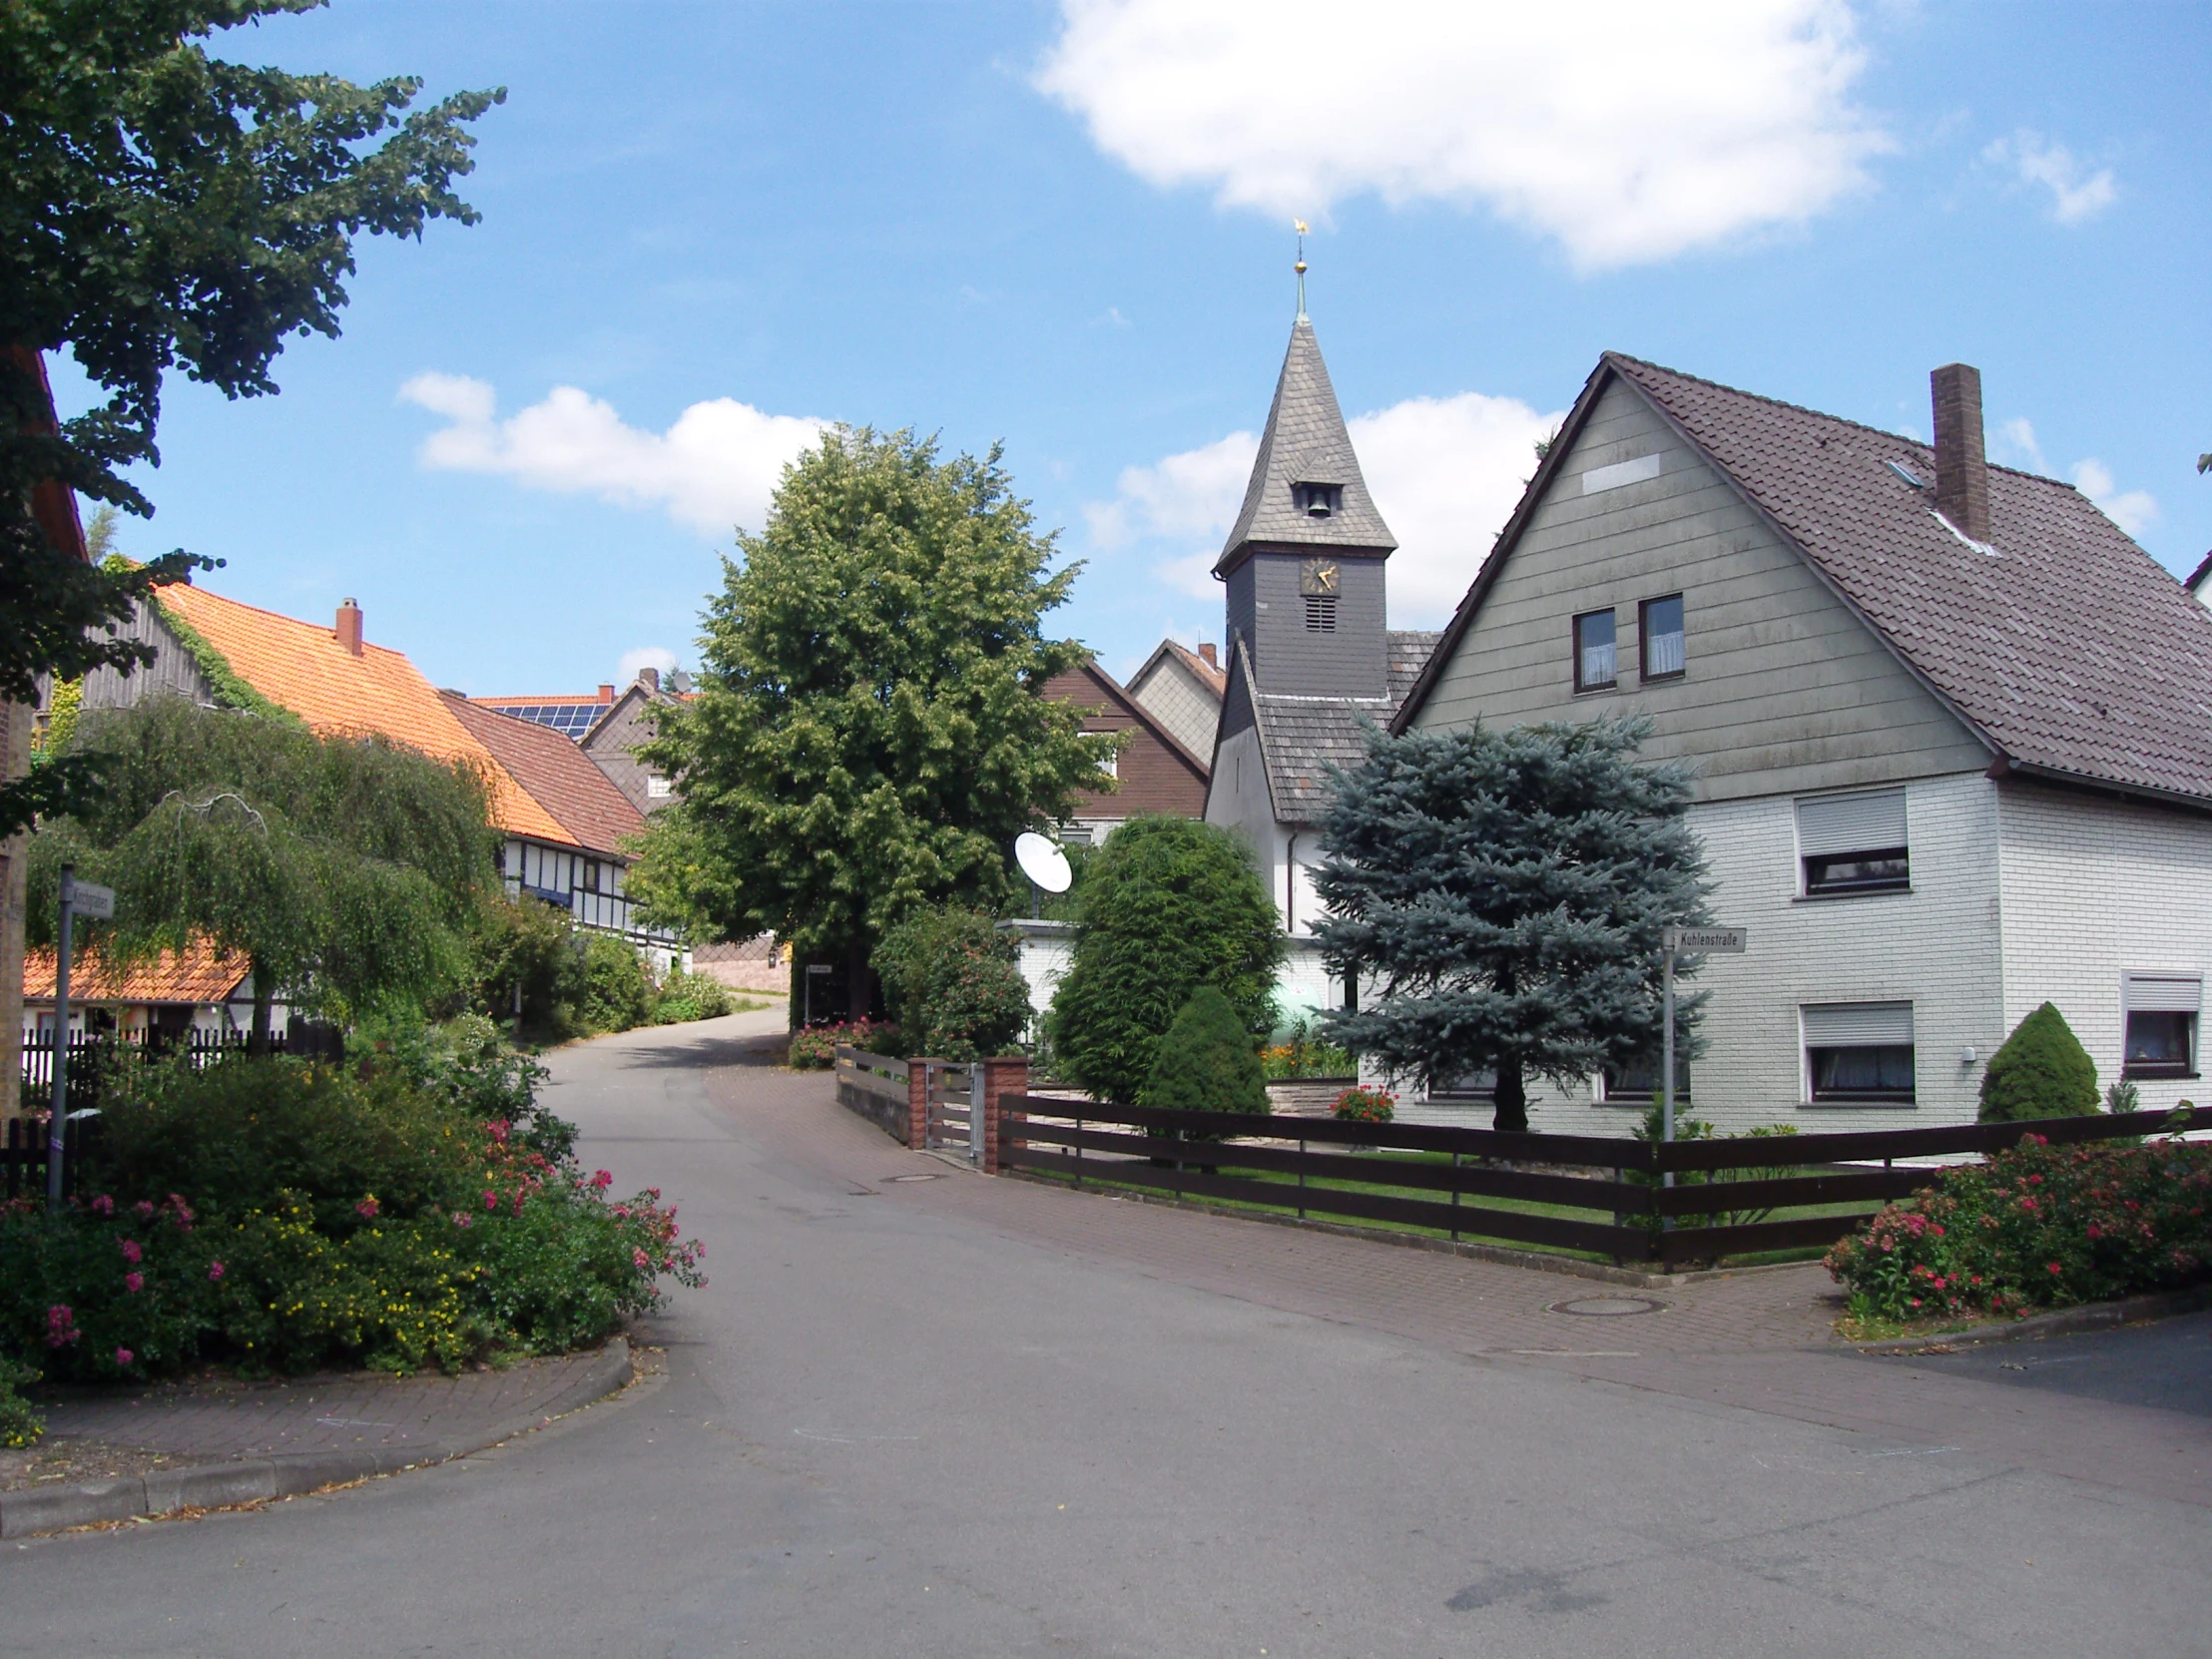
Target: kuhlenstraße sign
(1705, 942)
(92, 901)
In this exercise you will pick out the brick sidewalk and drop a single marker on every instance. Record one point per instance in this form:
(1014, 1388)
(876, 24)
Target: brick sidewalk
(1757, 1341)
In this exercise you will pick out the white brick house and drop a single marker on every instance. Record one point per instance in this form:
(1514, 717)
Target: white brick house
(1953, 733)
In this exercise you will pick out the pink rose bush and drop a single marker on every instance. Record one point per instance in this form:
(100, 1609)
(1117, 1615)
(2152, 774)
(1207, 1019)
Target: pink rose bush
(2037, 1226)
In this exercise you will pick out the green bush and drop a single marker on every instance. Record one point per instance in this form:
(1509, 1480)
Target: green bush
(1168, 904)
(20, 1423)
(617, 992)
(284, 1215)
(2036, 1226)
(813, 1047)
(688, 996)
(1300, 1053)
(528, 944)
(1208, 1061)
(2042, 1071)
(952, 979)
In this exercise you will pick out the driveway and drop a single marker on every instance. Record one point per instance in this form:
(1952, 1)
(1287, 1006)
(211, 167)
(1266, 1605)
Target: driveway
(957, 1417)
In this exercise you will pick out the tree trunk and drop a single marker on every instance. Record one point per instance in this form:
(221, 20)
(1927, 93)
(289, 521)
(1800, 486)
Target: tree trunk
(1512, 1096)
(257, 1039)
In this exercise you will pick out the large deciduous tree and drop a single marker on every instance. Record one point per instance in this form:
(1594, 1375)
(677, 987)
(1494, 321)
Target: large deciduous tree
(1505, 891)
(346, 869)
(869, 731)
(160, 209)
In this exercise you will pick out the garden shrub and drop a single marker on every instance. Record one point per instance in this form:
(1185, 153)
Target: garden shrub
(1362, 1105)
(20, 1421)
(688, 996)
(1168, 904)
(1208, 1061)
(1300, 1053)
(527, 943)
(952, 980)
(2036, 1226)
(617, 992)
(813, 1047)
(2042, 1071)
(285, 1215)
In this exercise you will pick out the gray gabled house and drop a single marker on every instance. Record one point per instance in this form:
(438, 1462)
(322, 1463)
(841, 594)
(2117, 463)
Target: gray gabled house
(1952, 732)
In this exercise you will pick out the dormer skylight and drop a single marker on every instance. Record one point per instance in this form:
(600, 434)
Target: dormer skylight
(1907, 474)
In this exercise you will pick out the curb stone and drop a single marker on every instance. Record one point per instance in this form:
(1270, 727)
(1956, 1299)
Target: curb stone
(285, 1475)
(2092, 1316)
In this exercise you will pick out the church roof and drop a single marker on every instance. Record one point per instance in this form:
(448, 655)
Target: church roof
(1304, 444)
(1301, 738)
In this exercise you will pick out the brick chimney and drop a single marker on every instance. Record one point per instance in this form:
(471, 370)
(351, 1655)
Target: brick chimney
(1961, 468)
(650, 678)
(606, 694)
(1207, 653)
(349, 626)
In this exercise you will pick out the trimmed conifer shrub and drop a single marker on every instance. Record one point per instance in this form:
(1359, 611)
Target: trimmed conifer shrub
(1208, 1061)
(2042, 1071)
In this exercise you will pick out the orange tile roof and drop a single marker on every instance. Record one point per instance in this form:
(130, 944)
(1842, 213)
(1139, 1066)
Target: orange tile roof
(556, 773)
(301, 666)
(199, 975)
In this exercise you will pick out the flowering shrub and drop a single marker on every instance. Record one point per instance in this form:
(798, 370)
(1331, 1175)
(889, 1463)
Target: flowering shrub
(1303, 1054)
(2038, 1226)
(815, 1047)
(335, 1219)
(1359, 1105)
(20, 1424)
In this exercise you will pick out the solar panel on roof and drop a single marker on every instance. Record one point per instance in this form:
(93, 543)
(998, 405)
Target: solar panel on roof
(571, 720)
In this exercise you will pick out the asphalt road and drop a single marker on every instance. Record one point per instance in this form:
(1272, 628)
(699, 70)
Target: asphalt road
(889, 1429)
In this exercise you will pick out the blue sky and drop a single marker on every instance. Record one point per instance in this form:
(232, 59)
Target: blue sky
(709, 226)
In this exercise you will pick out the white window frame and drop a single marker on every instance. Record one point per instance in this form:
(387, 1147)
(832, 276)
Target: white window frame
(1879, 1023)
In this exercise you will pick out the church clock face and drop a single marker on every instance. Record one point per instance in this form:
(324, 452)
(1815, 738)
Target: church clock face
(1318, 576)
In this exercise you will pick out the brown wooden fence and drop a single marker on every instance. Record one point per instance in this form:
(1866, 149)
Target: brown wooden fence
(1722, 1202)
(23, 1156)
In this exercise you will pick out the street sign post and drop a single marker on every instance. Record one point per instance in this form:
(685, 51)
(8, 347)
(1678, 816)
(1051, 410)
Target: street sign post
(1688, 942)
(79, 898)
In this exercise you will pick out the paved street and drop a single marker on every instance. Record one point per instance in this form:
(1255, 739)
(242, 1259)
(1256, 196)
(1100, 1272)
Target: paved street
(957, 1416)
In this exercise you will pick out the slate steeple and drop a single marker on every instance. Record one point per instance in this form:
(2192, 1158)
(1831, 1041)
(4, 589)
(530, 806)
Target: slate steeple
(1307, 489)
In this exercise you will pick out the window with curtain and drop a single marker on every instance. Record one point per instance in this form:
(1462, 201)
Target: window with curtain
(1859, 1053)
(1854, 844)
(1660, 652)
(1595, 661)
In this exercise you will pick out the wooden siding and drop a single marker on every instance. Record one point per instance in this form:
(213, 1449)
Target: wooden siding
(1786, 689)
(172, 669)
(1154, 777)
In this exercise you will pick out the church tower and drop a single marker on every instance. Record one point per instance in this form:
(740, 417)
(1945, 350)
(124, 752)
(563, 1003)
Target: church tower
(1304, 564)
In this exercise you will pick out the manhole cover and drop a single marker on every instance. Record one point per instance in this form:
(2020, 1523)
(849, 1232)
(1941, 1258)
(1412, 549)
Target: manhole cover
(1607, 1306)
(913, 1177)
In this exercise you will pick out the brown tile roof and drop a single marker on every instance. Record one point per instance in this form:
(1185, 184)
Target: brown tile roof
(2066, 649)
(301, 666)
(199, 975)
(556, 773)
(1208, 673)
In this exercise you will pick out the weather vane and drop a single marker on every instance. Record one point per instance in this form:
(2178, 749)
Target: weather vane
(1299, 225)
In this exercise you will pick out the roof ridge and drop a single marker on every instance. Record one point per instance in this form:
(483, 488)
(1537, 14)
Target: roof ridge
(1621, 358)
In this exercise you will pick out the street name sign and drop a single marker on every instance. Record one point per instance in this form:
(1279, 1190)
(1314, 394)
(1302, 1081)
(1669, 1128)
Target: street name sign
(88, 899)
(1705, 942)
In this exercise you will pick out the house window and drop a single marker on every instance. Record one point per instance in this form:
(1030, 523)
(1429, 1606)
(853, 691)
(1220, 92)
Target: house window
(1318, 500)
(1659, 625)
(1858, 1053)
(1321, 612)
(591, 876)
(1475, 1085)
(2161, 1025)
(657, 788)
(1637, 1084)
(1852, 843)
(1594, 663)
(1111, 765)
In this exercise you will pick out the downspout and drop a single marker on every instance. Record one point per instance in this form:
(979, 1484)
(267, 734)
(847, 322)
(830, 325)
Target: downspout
(1290, 887)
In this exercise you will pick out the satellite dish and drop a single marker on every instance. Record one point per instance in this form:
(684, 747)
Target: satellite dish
(1043, 861)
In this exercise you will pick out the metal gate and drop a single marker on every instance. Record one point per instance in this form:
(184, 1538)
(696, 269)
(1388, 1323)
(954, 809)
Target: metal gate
(954, 1095)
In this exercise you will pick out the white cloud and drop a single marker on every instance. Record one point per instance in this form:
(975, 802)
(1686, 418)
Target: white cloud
(656, 657)
(2073, 197)
(2132, 510)
(716, 467)
(1628, 131)
(2017, 436)
(1445, 473)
